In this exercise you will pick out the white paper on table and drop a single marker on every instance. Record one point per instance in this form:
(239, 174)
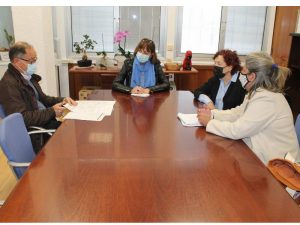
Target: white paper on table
(141, 95)
(189, 120)
(90, 110)
(84, 116)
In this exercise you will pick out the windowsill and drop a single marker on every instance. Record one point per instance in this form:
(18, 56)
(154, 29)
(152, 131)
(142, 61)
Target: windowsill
(196, 62)
(3, 63)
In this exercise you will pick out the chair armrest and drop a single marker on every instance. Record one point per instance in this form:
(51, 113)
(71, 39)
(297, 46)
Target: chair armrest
(18, 164)
(41, 128)
(41, 131)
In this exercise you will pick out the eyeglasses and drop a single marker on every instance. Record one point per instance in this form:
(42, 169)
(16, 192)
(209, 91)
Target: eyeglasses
(30, 61)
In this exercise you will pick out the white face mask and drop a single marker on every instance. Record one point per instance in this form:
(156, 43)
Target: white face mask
(244, 80)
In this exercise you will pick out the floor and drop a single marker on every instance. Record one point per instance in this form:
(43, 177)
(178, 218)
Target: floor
(7, 178)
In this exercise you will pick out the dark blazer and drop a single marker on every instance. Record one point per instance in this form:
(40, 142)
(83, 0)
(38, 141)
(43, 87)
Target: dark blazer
(16, 95)
(122, 81)
(233, 97)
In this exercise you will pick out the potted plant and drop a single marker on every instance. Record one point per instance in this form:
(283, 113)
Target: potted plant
(102, 59)
(82, 47)
(123, 54)
(4, 51)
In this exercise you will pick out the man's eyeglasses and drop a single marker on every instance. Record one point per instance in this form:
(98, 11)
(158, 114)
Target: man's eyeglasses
(30, 61)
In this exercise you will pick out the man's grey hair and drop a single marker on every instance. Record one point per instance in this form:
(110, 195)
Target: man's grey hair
(18, 50)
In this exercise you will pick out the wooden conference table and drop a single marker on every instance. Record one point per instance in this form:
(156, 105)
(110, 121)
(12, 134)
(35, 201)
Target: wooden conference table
(141, 165)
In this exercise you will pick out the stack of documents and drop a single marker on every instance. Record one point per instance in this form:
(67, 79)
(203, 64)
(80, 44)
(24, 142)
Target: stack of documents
(189, 120)
(89, 110)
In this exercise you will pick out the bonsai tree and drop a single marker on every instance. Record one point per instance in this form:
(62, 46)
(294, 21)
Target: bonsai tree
(82, 47)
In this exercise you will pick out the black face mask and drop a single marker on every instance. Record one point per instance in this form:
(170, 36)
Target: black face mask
(218, 71)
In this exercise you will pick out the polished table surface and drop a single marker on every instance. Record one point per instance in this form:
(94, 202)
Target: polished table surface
(141, 165)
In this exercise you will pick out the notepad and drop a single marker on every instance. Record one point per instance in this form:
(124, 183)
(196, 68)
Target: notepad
(141, 95)
(189, 120)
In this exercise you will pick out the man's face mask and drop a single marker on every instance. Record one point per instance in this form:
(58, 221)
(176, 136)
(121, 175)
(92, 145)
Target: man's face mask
(31, 69)
(218, 71)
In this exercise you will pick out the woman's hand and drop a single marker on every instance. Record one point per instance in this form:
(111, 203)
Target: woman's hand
(204, 115)
(136, 90)
(140, 90)
(210, 105)
(146, 91)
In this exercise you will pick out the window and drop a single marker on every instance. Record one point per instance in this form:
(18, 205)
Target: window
(94, 21)
(206, 30)
(139, 21)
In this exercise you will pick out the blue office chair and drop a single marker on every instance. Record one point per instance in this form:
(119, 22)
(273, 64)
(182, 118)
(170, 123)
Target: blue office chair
(3, 115)
(16, 144)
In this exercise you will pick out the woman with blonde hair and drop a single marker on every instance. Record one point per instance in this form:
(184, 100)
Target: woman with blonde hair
(264, 120)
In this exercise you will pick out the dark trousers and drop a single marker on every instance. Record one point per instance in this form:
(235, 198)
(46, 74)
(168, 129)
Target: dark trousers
(39, 140)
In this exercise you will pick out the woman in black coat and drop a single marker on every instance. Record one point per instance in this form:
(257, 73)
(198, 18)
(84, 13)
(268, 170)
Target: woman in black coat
(224, 90)
(143, 73)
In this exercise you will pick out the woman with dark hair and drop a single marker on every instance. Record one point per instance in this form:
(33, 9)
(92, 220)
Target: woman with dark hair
(223, 90)
(142, 74)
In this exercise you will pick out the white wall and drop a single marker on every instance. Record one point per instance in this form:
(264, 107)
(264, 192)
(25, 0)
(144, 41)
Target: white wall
(34, 25)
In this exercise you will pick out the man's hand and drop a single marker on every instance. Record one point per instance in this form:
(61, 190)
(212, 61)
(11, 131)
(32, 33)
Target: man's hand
(204, 116)
(59, 109)
(70, 101)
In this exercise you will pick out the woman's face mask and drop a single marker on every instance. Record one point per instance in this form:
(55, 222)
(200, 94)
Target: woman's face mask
(244, 80)
(218, 71)
(142, 58)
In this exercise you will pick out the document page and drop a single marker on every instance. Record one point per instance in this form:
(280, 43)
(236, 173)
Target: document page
(189, 120)
(89, 110)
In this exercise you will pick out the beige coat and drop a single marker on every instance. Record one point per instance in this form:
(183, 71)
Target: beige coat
(265, 123)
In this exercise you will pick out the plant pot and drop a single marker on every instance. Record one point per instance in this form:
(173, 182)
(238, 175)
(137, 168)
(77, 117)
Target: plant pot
(4, 56)
(84, 63)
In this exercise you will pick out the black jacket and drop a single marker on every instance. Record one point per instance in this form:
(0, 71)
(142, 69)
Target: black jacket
(16, 95)
(122, 81)
(233, 97)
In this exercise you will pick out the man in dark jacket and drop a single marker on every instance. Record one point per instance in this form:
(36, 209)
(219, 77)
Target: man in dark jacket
(21, 92)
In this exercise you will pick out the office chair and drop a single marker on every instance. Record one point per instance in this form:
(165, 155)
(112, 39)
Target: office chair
(19, 153)
(3, 115)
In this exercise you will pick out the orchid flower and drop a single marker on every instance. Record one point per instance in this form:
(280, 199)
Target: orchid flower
(118, 38)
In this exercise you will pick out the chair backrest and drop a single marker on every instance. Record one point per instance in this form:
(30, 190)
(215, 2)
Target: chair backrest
(2, 113)
(297, 127)
(15, 141)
